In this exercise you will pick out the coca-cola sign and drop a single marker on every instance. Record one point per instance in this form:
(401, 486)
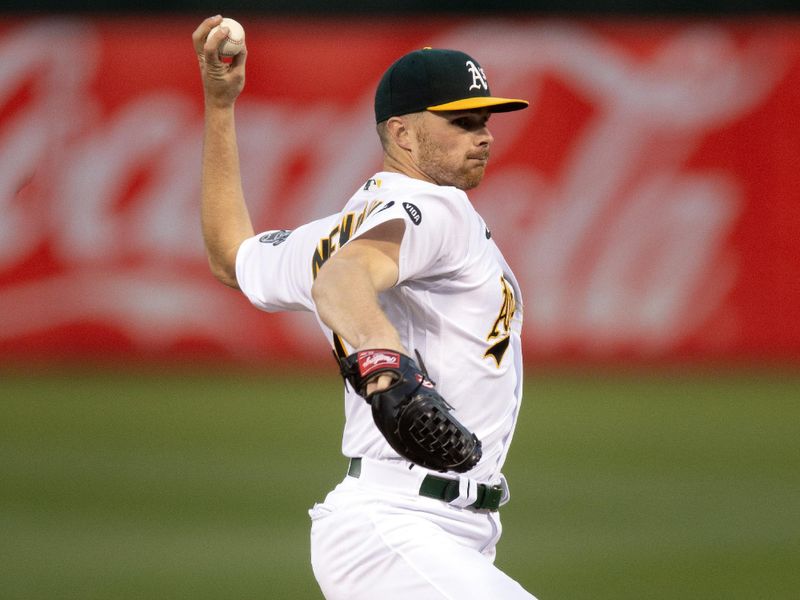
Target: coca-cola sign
(647, 199)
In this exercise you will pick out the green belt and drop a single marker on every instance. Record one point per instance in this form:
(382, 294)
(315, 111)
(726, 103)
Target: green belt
(442, 488)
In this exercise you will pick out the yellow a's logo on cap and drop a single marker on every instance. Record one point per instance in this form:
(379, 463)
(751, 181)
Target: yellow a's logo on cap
(478, 76)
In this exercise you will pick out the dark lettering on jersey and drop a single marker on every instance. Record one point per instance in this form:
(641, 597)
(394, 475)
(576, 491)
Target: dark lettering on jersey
(498, 350)
(500, 333)
(321, 254)
(346, 229)
(413, 212)
(389, 204)
(369, 209)
(340, 235)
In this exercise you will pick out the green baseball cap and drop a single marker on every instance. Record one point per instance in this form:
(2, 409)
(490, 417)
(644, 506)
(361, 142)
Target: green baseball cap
(435, 79)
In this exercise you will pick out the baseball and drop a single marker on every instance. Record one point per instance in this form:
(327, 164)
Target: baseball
(234, 43)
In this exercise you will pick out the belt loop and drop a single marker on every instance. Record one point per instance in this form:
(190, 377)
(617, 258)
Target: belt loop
(354, 469)
(467, 492)
(506, 496)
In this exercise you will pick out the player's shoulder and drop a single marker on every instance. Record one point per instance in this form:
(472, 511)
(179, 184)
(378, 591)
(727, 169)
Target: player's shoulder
(415, 199)
(313, 228)
(397, 183)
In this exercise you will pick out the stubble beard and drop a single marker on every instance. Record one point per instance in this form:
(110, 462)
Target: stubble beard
(444, 169)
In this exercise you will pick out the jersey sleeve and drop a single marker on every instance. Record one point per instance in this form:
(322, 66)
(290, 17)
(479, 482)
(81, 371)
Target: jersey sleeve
(273, 268)
(436, 234)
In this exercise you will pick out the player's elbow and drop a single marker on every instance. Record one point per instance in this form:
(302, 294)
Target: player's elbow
(321, 289)
(224, 272)
(222, 260)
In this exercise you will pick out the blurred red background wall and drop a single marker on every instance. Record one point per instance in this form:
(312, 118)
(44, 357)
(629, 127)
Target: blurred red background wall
(648, 200)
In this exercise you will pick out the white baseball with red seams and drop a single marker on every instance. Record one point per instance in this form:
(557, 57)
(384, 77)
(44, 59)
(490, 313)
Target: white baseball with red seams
(234, 42)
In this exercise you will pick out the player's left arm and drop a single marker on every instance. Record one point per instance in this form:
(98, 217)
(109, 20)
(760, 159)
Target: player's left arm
(346, 289)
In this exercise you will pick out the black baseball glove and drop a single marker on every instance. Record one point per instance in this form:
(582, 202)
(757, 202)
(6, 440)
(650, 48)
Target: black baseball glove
(410, 413)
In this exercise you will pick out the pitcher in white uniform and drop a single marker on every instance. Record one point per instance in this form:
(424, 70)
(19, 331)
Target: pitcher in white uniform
(408, 265)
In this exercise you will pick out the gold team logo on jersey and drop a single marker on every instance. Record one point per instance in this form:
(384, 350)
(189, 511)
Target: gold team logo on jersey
(500, 333)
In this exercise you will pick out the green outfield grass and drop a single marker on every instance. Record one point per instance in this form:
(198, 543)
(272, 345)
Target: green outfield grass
(195, 486)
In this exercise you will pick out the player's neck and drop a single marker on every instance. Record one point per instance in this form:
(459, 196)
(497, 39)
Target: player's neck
(392, 164)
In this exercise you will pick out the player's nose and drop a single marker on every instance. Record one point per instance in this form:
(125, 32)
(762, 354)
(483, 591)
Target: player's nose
(484, 137)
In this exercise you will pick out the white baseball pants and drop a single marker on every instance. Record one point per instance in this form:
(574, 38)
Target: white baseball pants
(375, 538)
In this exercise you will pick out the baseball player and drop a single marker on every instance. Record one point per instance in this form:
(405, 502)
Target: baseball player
(423, 315)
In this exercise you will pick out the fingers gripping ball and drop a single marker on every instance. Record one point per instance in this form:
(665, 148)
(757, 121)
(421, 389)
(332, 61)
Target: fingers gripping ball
(234, 41)
(412, 416)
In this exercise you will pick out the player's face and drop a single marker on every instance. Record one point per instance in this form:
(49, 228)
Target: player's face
(453, 147)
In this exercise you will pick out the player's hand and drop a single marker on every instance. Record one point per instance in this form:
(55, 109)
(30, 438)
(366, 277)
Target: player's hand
(413, 418)
(380, 383)
(222, 81)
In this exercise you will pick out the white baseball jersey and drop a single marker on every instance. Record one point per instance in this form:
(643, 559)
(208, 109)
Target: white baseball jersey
(456, 302)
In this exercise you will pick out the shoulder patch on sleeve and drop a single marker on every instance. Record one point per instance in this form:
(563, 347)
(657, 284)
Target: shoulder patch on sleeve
(275, 237)
(413, 212)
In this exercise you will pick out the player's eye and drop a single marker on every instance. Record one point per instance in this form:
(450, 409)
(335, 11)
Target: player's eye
(465, 123)
(470, 123)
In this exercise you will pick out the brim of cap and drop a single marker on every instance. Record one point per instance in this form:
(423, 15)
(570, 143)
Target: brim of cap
(495, 104)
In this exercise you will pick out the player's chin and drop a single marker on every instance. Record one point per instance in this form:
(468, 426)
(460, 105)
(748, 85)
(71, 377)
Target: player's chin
(471, 178)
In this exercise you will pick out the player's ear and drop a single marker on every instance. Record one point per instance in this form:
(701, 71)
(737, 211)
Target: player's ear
(399, 131)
